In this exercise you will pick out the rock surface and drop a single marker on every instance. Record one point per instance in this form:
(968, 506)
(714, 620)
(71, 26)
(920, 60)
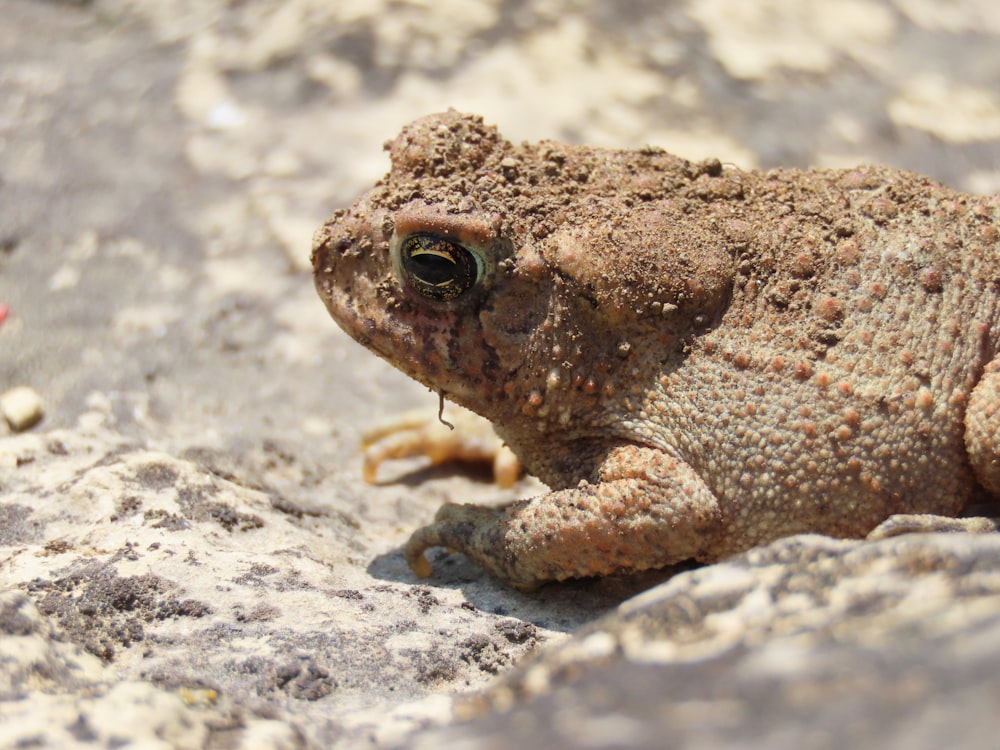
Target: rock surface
(809, 642)
(185, 537)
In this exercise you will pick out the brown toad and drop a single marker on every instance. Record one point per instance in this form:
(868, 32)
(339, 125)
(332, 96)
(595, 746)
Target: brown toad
(696, 359)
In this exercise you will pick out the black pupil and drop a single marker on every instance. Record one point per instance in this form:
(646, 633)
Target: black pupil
(433, 268)
(439, 268)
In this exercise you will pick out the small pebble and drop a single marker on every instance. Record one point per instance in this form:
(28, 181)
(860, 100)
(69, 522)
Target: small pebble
(22, 408)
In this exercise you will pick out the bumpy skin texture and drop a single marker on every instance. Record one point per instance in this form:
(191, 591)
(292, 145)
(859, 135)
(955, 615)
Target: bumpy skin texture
(696, 359)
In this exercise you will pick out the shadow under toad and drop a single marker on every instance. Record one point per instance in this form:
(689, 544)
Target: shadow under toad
(562, 606)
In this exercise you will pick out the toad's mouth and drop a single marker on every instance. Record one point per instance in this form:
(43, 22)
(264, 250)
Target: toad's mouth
(418, 349)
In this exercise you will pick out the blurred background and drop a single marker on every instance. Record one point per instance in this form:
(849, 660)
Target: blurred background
(163, 163)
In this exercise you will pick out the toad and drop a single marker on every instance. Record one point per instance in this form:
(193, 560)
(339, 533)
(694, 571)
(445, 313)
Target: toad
(695, 358)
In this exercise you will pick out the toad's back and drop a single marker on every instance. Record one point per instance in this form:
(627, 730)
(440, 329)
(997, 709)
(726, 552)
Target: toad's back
(833, 391)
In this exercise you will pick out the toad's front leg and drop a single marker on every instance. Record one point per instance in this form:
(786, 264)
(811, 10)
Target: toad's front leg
(647, 509)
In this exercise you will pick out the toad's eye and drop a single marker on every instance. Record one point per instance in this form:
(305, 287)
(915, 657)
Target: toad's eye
(438, 268)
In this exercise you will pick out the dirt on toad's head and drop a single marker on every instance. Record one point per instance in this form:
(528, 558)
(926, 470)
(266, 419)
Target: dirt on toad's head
(524, 282)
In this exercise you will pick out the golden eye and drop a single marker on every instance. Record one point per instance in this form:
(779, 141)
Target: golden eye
(438, 268)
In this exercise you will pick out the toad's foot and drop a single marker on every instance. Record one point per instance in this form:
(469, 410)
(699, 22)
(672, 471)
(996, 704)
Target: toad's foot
(415, 433)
